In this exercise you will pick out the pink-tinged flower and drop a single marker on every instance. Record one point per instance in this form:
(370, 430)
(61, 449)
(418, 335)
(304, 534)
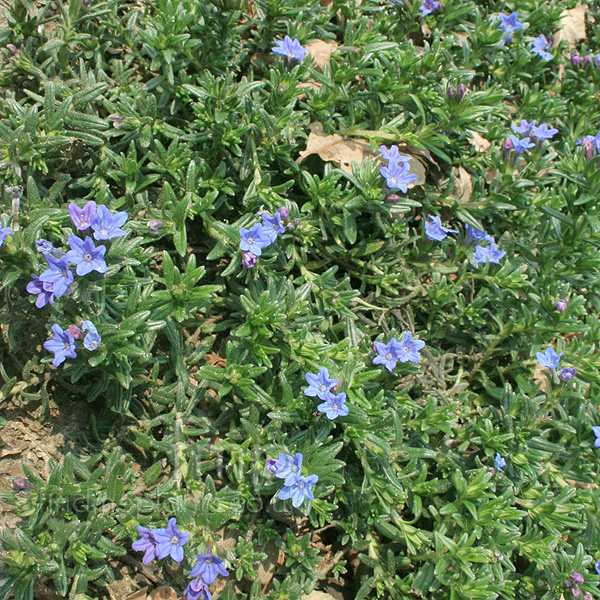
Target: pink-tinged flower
(82, 217)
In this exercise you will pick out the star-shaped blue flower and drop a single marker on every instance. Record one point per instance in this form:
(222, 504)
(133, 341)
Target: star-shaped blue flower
(524, 127)
(334, 406)
(539, 46)
(387, 354)
(62, 346)
(549, 359)
(170, 541)
(299, 491)
(596, 431)
(320, 385)
(520, 145)
(489, 253)
(290, 48)
(499, 462)
(289, 468)
(407, 349)
(398, 176)
(208, 567)
(435, 230)
(254, 239)
(86, 255)
(543, 132)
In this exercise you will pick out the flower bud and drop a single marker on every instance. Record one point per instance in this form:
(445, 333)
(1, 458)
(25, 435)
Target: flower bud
(561, 304)
(285, 213)
(451, 91)
(576, 60)
(577, 577)
(567, 374)
(116, 119)
(575, 591)
(393, 198)
(587, 60)
(507, 146)
(19, 484)
(75, 331)
(272, 465)
(12, 48)
(248, 260)
(155, 227)
(461, 90)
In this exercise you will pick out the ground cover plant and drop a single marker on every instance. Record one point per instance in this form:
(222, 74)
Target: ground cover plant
(299, 297)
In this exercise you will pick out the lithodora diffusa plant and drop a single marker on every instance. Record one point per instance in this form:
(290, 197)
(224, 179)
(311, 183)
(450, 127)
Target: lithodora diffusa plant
(322, 278)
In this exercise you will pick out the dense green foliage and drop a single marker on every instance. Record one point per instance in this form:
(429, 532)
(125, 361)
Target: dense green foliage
(200, 375)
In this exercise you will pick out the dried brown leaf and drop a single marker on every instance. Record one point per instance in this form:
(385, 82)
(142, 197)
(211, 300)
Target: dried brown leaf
(163, 593)
(490, 174)
(335, 149)
(581, 484)
(540, 377)
(139, 595)
(573, 26)
(321, 52)
(463, 186)
(477, 141)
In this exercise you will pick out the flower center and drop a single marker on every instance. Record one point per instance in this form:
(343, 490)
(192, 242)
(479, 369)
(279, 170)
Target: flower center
(67, 346)
(300, 485)
(209, 560)
(389, 356)
(323, 387)
(406, 349)
(174, 539)
(87, 256)
(104, 231)
(250, 241)
(294, 468)
(335, 407)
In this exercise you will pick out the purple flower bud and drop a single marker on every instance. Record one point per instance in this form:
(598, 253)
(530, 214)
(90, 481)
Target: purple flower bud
(567, 374)
(116, 119)
(587, 60)
(285, 213)
(393, 198)
(272, 465)
(461, 90)
(19, 484)
(335, 389)
(507, 146)
(155, 227)
(577, 577)
(451, 92)
(561, 304)
(576, 60)
(575, 591)
(587, 596)
(12, 48)
(75, 331)
(248, 260)
(589, 149)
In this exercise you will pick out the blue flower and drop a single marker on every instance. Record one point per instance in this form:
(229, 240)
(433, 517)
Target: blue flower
(408, 349)
(596, 431)
(597, 567)
(429, 6)
(197, 590)
(549, 359)
(393, 155)
(387, 354)
(45, 291)
(58, 274)
(320, 385)
(539, 46)
(509, 24)
(290, 48)
(499, 462)
(476, 235)
(567, 374)
(272, 226)
(520, 145)
(4, 233)
(146, 544)
(289, 468)
(524, 127)
(107, 226)
(82, 217)
(398, 176)
(62, 346)
(92, 339)
(208, 567)
(543, 132)
(44, 247)
(299, 491)
(334, 406)
(86, 256)
(254, 239)
(435, 230)
(170, 541)
(489, 253)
